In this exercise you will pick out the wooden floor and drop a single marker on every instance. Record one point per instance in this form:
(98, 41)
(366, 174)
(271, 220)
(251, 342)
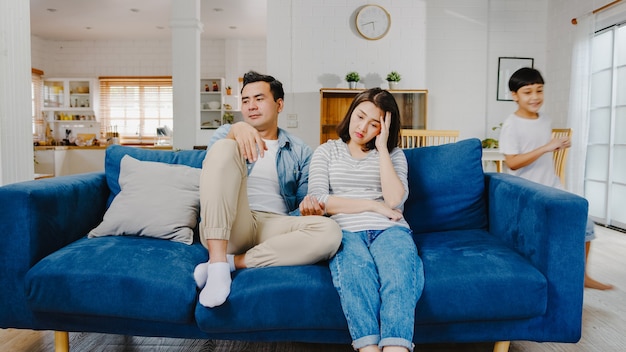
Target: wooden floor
(604, 323)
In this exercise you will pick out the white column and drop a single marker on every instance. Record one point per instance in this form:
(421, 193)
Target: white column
(186, 29)
(232, 65)
(16, 139)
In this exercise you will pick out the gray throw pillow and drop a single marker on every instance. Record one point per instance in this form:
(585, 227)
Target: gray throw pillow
(156, 200)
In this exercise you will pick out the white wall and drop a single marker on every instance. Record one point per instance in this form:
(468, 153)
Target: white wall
(450, 47)
(312, 45)
(134, 58)
(559, 51)
(457, 59)
(516, 29)
(142, 58)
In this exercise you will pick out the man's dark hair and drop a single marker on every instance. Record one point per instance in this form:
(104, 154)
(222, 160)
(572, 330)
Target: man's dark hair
(275, 86)
(525, 76)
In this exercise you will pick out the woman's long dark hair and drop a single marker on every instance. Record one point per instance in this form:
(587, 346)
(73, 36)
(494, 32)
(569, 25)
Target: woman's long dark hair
(383, 100)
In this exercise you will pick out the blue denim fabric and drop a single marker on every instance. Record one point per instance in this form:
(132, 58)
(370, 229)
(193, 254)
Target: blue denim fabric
(292, 163)
(590, 232)
(379, 277)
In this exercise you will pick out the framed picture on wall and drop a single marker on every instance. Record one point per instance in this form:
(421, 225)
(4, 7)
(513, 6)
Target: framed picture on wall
(506, 67)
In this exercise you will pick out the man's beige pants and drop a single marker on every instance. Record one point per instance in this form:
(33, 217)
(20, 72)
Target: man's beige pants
(267, 239)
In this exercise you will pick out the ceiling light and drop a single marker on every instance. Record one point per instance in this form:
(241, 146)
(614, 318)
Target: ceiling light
(232, 27)
(51, 10)
(160, 27)
(217, 9)
(134, 10)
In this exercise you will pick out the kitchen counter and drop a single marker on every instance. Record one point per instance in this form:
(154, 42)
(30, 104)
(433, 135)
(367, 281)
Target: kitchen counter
(71, 147)
(70, 159)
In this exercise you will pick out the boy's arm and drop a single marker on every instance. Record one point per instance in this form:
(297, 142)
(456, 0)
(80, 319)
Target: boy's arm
(517, 161)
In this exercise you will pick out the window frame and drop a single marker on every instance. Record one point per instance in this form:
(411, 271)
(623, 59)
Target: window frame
(38, 118)
(138, 101)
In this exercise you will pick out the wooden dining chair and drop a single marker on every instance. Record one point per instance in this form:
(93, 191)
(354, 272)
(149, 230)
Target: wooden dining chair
(560, 155)
(410, 138)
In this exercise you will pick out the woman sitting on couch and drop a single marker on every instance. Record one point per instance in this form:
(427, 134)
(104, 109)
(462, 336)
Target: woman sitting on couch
(360, 180)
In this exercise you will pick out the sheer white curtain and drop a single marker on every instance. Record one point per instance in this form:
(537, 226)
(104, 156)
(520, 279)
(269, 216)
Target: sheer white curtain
(578, 116)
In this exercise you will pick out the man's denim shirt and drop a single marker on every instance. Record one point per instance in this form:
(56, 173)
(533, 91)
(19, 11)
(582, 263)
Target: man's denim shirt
(292, 164)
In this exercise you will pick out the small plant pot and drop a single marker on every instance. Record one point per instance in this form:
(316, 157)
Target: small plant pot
(393, 85)
(352, 85)
(229, 91)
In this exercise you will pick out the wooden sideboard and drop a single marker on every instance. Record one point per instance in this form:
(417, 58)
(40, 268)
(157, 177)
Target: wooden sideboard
(336, 101)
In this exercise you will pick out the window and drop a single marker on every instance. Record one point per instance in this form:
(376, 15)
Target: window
(36, 87)
(134, 107)
(605, 176)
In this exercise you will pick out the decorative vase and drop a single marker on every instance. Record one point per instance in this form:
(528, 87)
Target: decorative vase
(352, 85)
(393, 85)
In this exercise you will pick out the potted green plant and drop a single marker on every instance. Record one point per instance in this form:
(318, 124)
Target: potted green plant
(492, 143)
(228, 117)
(352, 78)
(393, 78)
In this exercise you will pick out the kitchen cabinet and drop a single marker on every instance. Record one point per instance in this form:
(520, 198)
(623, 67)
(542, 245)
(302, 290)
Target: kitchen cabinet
(218, 105)
(44, 161)
(71, 96)
(212, 92)
(61, 161)
(70, 160)
(335, 103)
(70, 104)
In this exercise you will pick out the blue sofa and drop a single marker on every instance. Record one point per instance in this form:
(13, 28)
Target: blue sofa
(503, 260)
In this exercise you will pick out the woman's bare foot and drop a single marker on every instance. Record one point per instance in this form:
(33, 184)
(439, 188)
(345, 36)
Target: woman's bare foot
(596, 285)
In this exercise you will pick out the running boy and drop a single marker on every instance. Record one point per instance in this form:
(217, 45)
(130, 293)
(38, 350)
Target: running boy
(527, 144)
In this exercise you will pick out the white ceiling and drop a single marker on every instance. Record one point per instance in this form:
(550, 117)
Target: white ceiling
(142, 19)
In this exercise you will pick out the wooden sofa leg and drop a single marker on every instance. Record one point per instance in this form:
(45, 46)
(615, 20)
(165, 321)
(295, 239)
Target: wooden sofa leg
(501, 346)
(61, 341)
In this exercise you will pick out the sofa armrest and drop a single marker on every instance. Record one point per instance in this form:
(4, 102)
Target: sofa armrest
(546, 226)
(36, 219)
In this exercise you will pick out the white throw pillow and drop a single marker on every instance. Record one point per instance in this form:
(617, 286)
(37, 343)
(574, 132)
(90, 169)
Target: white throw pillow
(156, 200)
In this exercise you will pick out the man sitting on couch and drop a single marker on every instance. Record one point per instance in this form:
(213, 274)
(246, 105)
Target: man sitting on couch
(253, 177)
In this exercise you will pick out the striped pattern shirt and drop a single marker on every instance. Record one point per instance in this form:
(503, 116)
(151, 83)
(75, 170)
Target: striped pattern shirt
(333, 171)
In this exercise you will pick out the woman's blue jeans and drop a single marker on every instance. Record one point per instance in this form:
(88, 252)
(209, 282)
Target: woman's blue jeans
(379, 277)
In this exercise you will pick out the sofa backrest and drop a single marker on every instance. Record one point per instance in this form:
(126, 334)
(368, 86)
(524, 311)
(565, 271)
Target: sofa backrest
(446, 182)
(446, 187)
(115, 153)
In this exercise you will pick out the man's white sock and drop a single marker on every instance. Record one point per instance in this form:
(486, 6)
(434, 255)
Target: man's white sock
(218, 285)
(200, 272)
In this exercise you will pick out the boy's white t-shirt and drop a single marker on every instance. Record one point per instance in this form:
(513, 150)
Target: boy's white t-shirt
(521, 135)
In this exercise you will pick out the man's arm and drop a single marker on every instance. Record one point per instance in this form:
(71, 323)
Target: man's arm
(250, 142)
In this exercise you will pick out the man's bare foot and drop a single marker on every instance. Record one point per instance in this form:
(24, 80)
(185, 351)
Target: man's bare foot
(596, 285)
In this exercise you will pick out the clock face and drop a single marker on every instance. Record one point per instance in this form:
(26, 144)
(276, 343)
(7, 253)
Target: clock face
(373, 22)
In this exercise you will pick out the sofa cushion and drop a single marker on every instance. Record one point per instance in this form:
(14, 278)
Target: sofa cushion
(115, 153)
(472, 275)
(156, 200)
(446, 187)
(121, 277)
(275, 299)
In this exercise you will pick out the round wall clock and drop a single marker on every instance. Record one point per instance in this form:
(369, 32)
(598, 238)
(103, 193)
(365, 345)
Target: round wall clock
(372, 22)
